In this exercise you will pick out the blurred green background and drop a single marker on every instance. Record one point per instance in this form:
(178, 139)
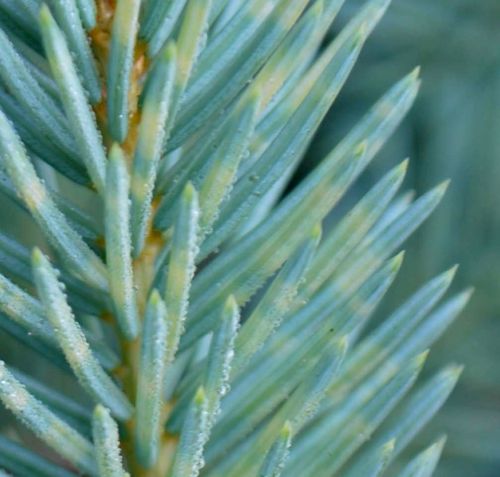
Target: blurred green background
(452, 132)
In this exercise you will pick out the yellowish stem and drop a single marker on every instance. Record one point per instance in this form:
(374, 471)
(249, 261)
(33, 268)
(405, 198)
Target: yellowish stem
(144, 264)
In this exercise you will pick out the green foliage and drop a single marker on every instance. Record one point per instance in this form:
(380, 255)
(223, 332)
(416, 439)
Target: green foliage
(452, 131)
(212, 328)
(106, 443)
